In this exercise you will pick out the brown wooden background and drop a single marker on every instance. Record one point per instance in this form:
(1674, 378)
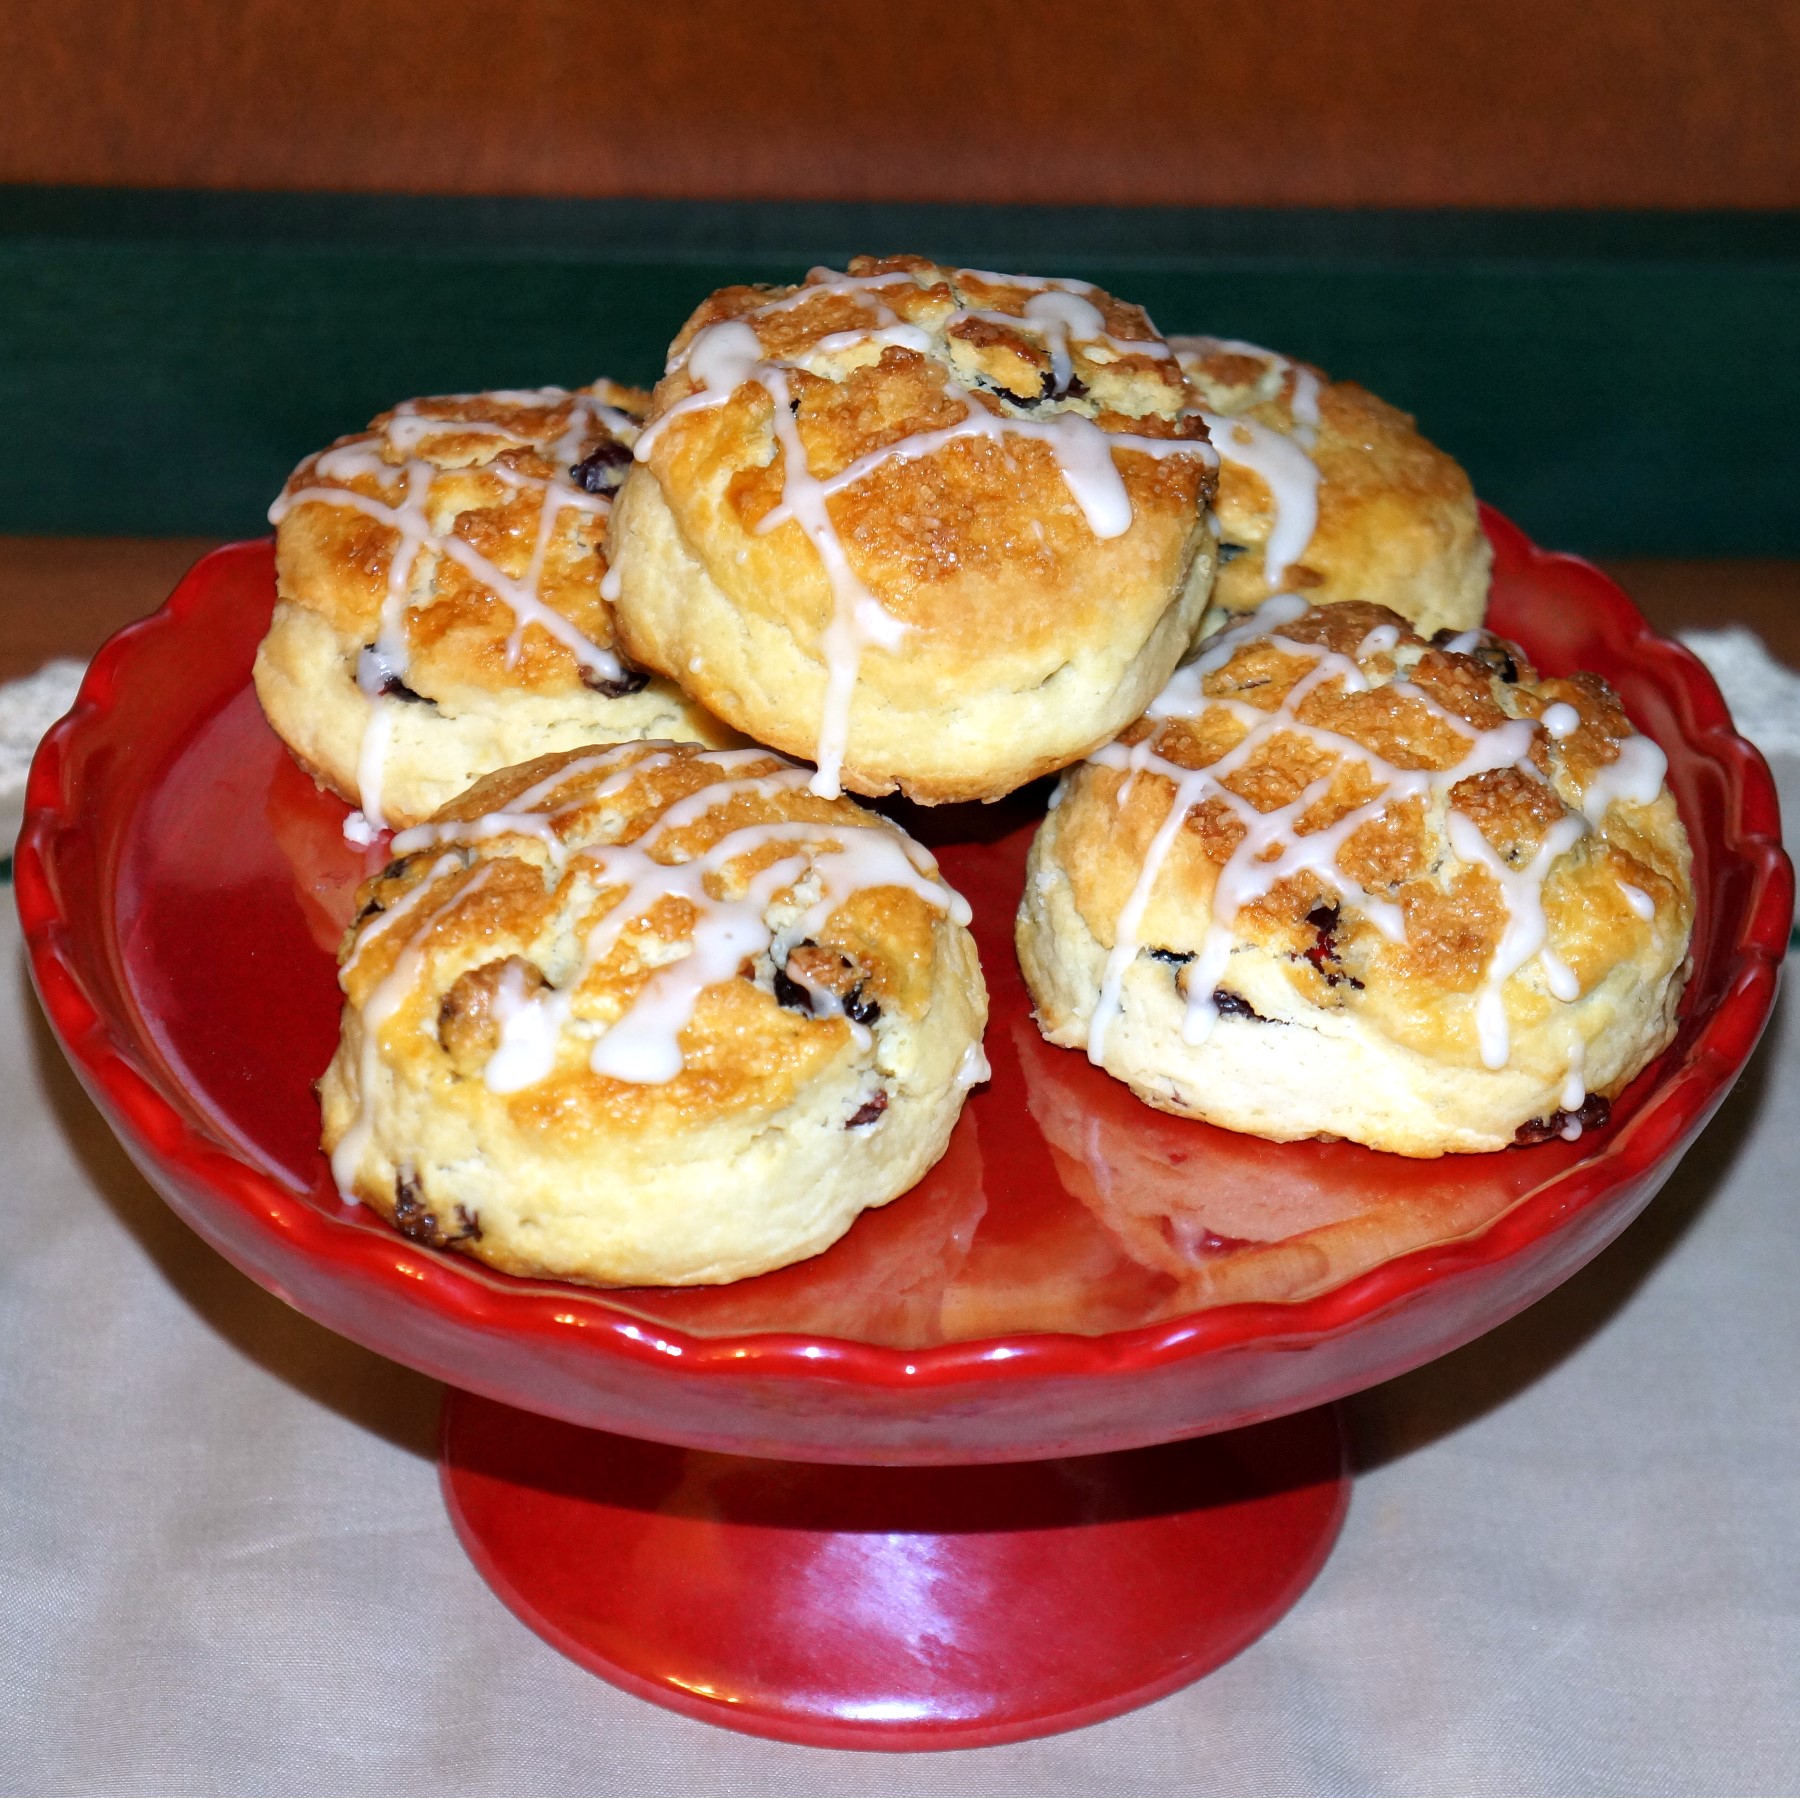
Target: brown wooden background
(1196, 102)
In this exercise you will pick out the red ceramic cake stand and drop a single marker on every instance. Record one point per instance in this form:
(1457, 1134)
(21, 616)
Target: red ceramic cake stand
(1043, 1439)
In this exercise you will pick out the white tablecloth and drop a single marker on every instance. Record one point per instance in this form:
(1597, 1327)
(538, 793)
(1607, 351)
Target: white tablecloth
(1572, 1562)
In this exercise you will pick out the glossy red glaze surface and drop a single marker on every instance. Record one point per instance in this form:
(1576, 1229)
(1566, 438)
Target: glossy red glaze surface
(890, 1608)
(180, 884)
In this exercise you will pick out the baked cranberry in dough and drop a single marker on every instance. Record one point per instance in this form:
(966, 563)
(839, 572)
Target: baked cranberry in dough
(1342, 881)
(650, 1014)
(931, 528)
(440, 612)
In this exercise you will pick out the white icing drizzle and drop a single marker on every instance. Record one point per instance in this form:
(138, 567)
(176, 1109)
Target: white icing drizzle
(974, 1068)
(823, 280)
(386, 658)
(1564, 983)
(1291, 476)
(720, 359)
(528, 1036)
(1083, 453)
(1574, 1089)
(1561, 720)
(525, 816)
(1639, 901)
(1060, 316)
(643, 1044)
(1526, 930)
(1634, 777)
(1271, 851)
(511, 823)
(1037, 284)
(386, 999)
(390, 456)
(857, 618)
(1303, 403)
(1303, 394)
(1281, 459)
(371, 761)
(1382, 641)
(1465, 643)
(831, 859)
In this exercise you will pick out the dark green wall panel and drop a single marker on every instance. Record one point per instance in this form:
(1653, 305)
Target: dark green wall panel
(1620, 383)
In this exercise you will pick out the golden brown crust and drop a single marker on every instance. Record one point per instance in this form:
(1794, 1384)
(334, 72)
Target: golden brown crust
(976, 546)
(484, 485)
(1396, 520)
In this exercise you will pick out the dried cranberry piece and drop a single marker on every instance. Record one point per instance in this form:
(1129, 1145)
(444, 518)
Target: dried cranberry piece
(603, 467)
(868, 1111)
(789, 993)
(1234, 1005)
(1322, 954)
(1592, 1113)
(616, 687)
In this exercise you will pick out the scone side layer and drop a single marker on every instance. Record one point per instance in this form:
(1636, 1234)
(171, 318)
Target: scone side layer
(1295, 1071)
(305, 680)
(937, 746)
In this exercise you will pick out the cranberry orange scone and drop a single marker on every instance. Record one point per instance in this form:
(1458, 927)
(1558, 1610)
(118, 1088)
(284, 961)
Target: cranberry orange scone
(650, 1014)
(1328, 492)
(440, 612)
(935, 529)
(1342, 882)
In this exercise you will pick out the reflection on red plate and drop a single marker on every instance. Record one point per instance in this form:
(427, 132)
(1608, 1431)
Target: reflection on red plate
(1080, 1274)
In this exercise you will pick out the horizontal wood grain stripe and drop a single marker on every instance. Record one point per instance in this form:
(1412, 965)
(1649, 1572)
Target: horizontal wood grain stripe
(1181, 102)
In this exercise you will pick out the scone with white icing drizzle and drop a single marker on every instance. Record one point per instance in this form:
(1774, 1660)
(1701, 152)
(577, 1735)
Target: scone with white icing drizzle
(931, 528)
(439, 611)
(1340, 881)
(1329, 492)
(649, 1015)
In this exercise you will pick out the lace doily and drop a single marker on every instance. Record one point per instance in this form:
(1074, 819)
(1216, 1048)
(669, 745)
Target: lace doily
(28, 708)
(1763, 694)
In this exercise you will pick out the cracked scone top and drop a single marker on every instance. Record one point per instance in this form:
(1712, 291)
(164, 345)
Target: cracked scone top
(931, 528)
(439, 611)
(1341, 881)
(649, 1014)
(1329, 492)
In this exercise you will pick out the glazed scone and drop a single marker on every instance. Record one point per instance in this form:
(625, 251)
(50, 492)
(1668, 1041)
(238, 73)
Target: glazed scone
(649, 1015)
(1328, 492)
(439, 612)
(933, 529)
(1343, 882)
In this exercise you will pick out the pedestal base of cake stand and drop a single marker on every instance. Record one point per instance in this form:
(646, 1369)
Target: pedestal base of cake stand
(893, 1608)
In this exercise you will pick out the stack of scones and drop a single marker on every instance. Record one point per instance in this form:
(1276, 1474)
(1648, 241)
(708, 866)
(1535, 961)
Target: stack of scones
(644, 996)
